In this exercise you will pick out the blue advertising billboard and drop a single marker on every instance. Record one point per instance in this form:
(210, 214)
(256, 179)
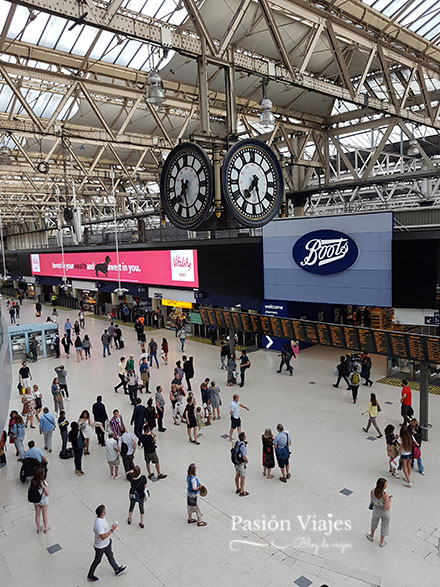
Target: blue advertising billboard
(333, 259)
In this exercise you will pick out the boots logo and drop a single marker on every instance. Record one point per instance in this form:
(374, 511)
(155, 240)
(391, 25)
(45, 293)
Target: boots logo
(325, 252)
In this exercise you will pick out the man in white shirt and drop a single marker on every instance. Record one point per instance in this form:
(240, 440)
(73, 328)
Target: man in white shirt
(112, 451)
(234, 412)
(121, 375)
(103, 544)
(127, 448)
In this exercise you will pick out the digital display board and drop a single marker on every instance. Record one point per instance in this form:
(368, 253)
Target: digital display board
(266, 325)
(298, 328)
(220, 317)
(287, 327)
(416, 348)
(276, 327)
(256, 323)
(382, 342)
(311, 332)
(212, 318)
(433, 349)
(324, 334)
(176, 268)
(236, 319)
(337, 334)
(366, 340)
(406, 345)
(247, 325)
(228, 319)
(398, 345)
(351, 338)
(204, 315)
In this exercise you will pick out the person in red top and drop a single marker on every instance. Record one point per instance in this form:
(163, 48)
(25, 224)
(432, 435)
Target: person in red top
(406, 409)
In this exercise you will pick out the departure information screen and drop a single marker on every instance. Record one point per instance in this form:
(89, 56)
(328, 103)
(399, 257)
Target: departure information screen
(405, 345)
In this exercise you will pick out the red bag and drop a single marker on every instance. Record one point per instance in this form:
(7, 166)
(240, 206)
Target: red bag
(38, 314)
(416, 451)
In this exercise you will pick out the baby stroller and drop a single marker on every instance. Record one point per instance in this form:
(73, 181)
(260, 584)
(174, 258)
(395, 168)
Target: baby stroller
(28, 468)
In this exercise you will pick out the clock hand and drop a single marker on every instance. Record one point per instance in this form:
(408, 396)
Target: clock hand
(254, 184)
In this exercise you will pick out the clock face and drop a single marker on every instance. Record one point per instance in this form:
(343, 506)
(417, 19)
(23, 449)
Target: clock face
(252, 182)
(186, 186)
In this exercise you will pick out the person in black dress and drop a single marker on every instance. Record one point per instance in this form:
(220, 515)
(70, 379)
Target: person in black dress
(189, 415)
(268, 456)
(151, 414)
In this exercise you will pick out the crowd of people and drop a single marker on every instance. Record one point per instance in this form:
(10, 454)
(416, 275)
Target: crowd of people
(122, 438)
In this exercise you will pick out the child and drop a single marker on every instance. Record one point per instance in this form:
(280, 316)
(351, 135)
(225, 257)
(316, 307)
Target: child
(200, 423)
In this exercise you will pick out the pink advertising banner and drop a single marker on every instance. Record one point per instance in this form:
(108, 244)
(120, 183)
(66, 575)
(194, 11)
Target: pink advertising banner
(177, 268)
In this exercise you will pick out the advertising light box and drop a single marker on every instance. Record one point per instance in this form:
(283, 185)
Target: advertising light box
(342, 259)
(176, 268)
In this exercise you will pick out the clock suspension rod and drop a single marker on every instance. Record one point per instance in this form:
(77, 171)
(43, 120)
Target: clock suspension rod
(217, 184)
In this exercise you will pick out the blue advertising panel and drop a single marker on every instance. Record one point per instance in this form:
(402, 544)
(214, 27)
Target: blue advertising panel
(273, 308)
(333, 259)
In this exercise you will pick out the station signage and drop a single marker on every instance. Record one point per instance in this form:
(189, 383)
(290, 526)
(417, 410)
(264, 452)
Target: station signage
(325, 252)
(175, 268)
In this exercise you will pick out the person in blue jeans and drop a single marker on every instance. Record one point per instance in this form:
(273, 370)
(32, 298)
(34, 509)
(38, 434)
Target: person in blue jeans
(105, 339)
(416, 434)
(152, 351)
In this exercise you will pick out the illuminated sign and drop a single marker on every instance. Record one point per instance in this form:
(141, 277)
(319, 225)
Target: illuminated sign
(325, 252)
(177, 304)
(177, 268)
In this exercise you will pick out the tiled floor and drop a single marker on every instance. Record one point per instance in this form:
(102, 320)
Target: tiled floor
(330, 452)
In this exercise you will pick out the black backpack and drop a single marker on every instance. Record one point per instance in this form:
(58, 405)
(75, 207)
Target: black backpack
(236, 456)
(34, 493)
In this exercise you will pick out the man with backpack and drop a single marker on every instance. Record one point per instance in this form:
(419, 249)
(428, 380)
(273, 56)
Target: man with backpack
(105, 339)
(240, 461)
(354, 383)
(281, 443)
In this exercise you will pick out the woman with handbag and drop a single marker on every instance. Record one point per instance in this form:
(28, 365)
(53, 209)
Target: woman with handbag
(373, 409)
(380, 504)
(416, 434)
(86, 428)
(28, 411)
(405, 443)
(57, 397)
(136, 493)
(392, 450)
(38, 401)
(193, 487)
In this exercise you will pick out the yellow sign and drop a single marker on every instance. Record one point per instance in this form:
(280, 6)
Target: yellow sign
(177, 304)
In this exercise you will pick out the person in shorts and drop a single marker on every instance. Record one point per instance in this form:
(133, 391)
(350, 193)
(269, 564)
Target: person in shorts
(282, 442)
(240, 469)
(234, 412)
(148, 441)
(112, 451)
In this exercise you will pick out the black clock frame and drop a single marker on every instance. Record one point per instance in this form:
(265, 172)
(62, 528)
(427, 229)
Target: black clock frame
(260, 146)
(207, 207)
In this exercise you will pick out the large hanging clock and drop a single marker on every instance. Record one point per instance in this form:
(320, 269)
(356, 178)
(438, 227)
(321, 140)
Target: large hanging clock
(252, 182)
(186, 186)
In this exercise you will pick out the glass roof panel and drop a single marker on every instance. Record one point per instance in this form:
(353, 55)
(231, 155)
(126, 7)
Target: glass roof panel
(420, 16)
(33, 30)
